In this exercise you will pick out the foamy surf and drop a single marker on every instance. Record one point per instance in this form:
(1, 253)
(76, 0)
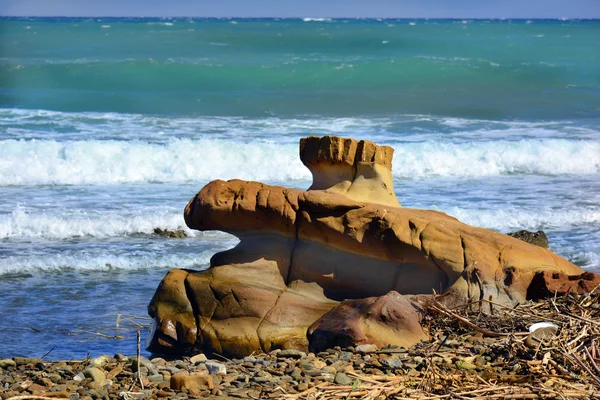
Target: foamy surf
(69, 224)
(94, 162)
(81, 262)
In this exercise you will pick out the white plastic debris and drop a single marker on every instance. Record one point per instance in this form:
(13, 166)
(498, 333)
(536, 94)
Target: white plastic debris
(539, 325)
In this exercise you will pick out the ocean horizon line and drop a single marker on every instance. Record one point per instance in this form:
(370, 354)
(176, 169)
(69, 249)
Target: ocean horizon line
(306, 18)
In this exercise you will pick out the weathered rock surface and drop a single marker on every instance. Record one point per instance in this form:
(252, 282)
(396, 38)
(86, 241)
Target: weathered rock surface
(360, 170)
(356, 250)
(390, 319)
(240, 309)
(347, 237)
(547, 283)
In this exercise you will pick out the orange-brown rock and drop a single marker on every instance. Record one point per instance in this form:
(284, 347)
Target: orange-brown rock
(354, 249)
(390, 319)
(345, 238)
(360, 170)
(548, 283)
(239, 309)
(196, 380)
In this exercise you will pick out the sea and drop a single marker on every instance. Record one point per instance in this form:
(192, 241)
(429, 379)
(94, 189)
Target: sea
(109, 126)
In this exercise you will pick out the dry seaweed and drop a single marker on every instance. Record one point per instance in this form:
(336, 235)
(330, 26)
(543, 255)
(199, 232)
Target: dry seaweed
(477, 355)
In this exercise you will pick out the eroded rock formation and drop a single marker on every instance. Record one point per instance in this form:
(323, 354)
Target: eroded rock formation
(301, 252)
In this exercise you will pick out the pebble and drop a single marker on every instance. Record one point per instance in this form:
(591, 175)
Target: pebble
(291, 353)
(291, 370)
(391, 363)
(342, 379)
(99, 362)
(366, 348)
(7, 362)
(216, 368)
(198, 358)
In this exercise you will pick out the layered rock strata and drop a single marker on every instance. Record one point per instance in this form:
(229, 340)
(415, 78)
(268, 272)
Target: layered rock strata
(300, 252)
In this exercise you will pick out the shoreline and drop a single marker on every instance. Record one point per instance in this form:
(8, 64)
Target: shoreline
(470, 355)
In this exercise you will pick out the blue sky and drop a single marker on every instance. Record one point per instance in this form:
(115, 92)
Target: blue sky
(307, 8)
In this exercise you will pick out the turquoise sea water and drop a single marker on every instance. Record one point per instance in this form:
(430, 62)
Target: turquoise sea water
(109, 126)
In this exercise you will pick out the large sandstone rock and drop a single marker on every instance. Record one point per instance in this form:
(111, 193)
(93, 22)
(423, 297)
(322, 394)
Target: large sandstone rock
(355, 250)
(233, 310)
(300, 252)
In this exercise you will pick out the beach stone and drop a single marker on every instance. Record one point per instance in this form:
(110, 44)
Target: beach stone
(534, 339)
(391, 363)
(114, 372)
(7, 362)
(79, 377)
(36, 388)
(99, 362)
(216, 368)
(155, 378)
(158, 361)
(198, 358)
(192, 381)
(291, 353)
(366, 348)
(26, 360)
(177, 233)
(342, 379)
(96, 374)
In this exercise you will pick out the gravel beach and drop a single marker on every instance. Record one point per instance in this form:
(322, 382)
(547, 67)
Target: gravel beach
(470, 355)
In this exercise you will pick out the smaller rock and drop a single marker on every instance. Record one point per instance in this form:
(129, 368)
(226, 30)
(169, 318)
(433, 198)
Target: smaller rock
(79, 377)
(538, 238)
(7, 362)
(550, 283)
(114, 372)
(342, 379)
(177, 233)
(96, 374)
(158, 378)
(159, 361)
(291, 353)
(365, 348)
(26, 360)
(36, 388)
(99, 362)
(192, 381)
(216, 368)
(391, 363)
(534, 339)
(296, 374)
(198, 358)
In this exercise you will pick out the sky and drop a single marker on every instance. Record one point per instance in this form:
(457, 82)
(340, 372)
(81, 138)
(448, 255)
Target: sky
(306, 8)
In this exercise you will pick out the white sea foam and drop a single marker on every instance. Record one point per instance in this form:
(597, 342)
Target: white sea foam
(70, 223)
(543, 157)
(511, 218)
(43, 162)
(84, 261)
